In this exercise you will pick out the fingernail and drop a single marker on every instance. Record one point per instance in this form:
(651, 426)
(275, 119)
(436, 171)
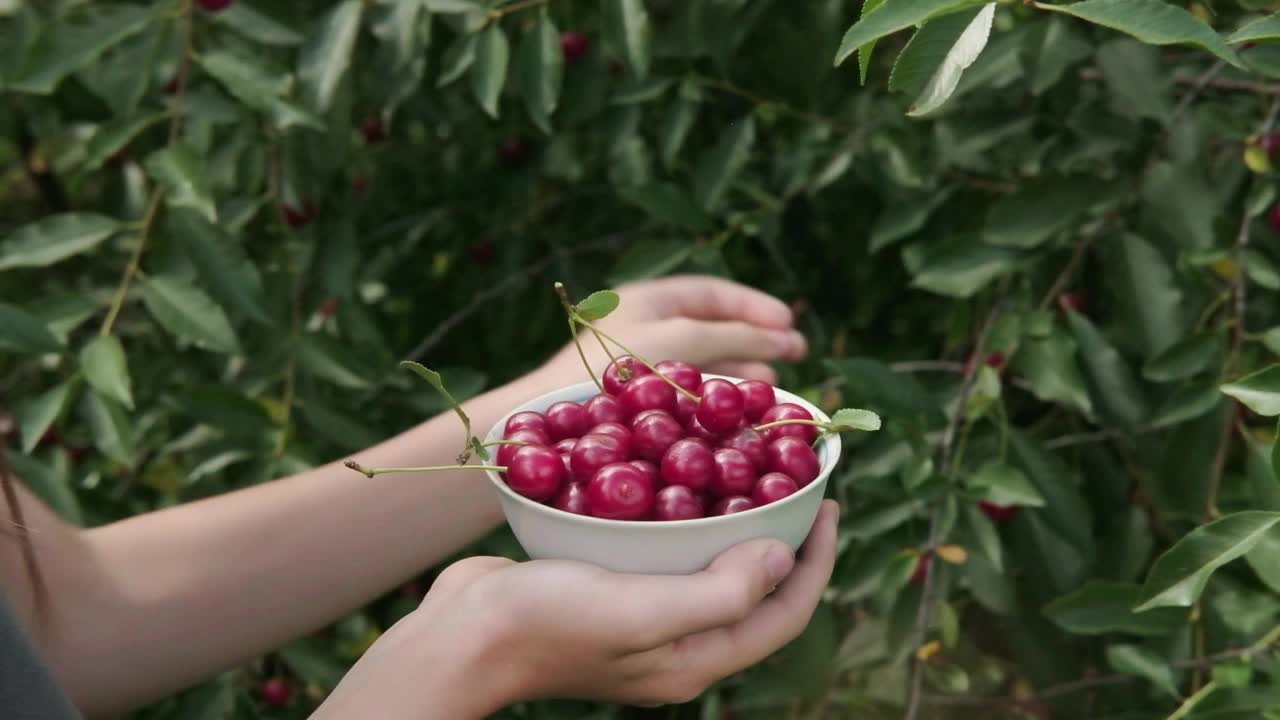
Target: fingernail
(778, 562)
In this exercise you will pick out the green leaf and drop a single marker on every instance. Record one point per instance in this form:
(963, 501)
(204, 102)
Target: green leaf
(718, 167)
(1260, 269)
(675, 128)
(1065, 508)
(188, 314)
(77, 40)
(1259, 391)
(458, 58)
(878, 522)
(931, 64)
(864, 52)
(227, 409)
(21, 332)
(649, 259)
(36, 415)
(1184, 359)
(541, 68)
(669, 203)
(984, 536)
(855, 419)
(1262, 29)
(626, 27)
(1136, 78)
(902, 217)
(214, 700)
(1005, 485)
(1186, 403)
(103, 363)
(55, 238)
(1179, 575)
(872, 383)
(1275, 456)
(1105, 607)
(230, 276)
(1041, 209)
(1181, 202)
(255, 25)
(1235, 673)
(597, 305)
(113, 136)
(1154, 22)
(1149, 292)
(109, 426)
(1049, 365)
(1049, 49)
(1114, 389)
(322, 356)
(1264, 558)
(489, 73)
(258, 86)
(892, 17)
(1140, 661)
(180, 170)
(961, 267)
(313, 662)
(51, 484)
(324, 59)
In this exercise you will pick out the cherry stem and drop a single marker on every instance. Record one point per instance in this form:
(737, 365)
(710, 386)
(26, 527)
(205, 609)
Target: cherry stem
(633, 354)
(491, 443)
(370, 472)
(604, 346)
(573, 332)
(780, 423)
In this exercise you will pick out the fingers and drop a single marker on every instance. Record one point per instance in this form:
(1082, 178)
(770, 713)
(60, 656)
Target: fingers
(781, 617)
(705, 297)
(708, 343)
(746, 371)
(666, 608)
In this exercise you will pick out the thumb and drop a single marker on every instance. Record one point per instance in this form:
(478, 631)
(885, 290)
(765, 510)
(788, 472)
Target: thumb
(724, 593)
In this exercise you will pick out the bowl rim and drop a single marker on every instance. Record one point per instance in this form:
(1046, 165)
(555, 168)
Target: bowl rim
(829, 449)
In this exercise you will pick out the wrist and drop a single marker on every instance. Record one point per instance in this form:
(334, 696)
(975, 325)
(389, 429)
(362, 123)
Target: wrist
(478, 674)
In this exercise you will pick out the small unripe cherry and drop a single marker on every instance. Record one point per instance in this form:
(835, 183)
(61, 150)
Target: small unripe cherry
(529, 436)
(688, 462)
(735, 474)
(683, 374)
(793, 457)
(604, 408)
(592, 453)
(619, 491)
(276, 691)
(772, 487)
(615, 430)
(566, 419)
(536, 472)
(647, 392)
(677, 502)
(652, 434)
(720, 410)
(752, 444)
(527, 420)
(732, 504)
(757, 397)
(572, 498)
(622, 371)
(788, 411)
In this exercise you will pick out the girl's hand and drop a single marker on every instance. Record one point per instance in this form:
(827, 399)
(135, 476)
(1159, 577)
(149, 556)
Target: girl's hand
(492, 632)
(716, 324)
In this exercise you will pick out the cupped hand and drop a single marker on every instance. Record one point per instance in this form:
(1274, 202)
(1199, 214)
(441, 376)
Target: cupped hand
(721, 326)
(571, 630)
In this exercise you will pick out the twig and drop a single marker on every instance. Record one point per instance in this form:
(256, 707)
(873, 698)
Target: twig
(497, 13)
(39, 588)
(1196, 88)
(1257, 88)
(184, 70)
(50, 188)
(910, 366)
(1186, 707)
(135, 261)
(733, 89)
(946, 453)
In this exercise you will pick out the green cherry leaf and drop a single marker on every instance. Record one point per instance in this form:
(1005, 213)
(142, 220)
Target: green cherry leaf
(1260, 391)
(597, 305)
(853, 419)
(433, 378)
(1179, 575)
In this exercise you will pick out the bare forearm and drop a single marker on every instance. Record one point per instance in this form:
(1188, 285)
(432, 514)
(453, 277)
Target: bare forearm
(197, 588)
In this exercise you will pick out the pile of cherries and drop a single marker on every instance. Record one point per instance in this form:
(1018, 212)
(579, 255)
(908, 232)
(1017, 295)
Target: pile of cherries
(643, 451)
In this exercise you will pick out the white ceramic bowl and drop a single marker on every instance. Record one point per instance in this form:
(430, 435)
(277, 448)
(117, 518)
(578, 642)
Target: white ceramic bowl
(674, 547)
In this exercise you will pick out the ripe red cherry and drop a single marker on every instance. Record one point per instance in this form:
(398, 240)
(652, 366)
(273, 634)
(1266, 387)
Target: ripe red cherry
(527, 420)
(1075, 302)
(681, 373)
(695, 429)
(602, 409)
(677, 502)
(536, 472)
(788, 411)
(572, 498)
(574, 46)
(649, 469)
(720, 410)
(647, 392)
(213, 5)
(793, 457)
(275, 691)
(619, 491)
(295, 217)
(752, 444)
(622, 371)
(652, 434)
(594, 452)
(772, 487)
(566, 458)
(617, 430)
(373, 130)
(1270, 143)
(757, 397)
(732, 504)
(565, 446)
(567, 419)
(998, 513)
(735, 474)
(688, 462)
(527, 436)
(923, 564)
(686, 408)
(514, 151)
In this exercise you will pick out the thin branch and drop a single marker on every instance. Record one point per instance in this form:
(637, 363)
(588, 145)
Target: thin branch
(924, 614)
(733, 89)
(1257, 88)
(135, 261)
(910, 366)
(184, 71)
(1196, 88)
(498, 13)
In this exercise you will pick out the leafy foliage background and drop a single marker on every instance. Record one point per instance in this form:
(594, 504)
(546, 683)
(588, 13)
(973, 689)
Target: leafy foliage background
(1039, 239)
